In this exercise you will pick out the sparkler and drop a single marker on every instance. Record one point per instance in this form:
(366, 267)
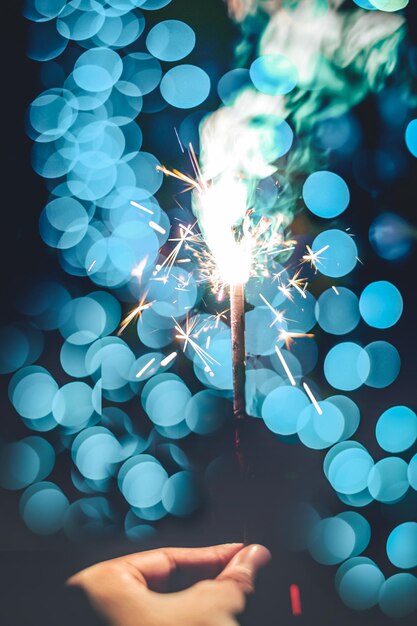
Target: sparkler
(233, 246)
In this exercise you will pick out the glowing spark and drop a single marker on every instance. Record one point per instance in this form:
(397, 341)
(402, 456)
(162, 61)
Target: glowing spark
(185, 335)
(312, 398)
(193, 184)
(208, 342)
(219, 316)
(186, 237)
(183, 282)
(285, 366)
(142, 306)
(179, 140)
(286, 292)
(91, 266)
(335, 290)
(146, 367)
(157, 227)
(141, 207)
(314, 257)
(235, 244)
(140, 268)
(279, 317)
(168, 359)
(288, 337)
(299, 284)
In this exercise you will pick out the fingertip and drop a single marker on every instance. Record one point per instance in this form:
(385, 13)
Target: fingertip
(254, 556)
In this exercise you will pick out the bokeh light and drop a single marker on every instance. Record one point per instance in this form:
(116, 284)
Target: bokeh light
(360, 583)
(282, 407)
(411, 137)
(396, 429)
(331, 541)
(273, 74)
(338, 313)
(185, 86)
(398, 595)
(337, 253)
(347, 366)
(387, 480)
(326, 194)
(402, 545)
(381, 304)
(385, 364)
(170, 40)
(43, 507)
(391, 236)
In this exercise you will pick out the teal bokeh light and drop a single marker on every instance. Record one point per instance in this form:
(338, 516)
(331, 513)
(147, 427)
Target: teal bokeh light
(402, 545)
(326, 194)
(381, 304)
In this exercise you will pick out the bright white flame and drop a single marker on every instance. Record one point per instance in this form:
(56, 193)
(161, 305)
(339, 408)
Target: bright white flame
(221, 206)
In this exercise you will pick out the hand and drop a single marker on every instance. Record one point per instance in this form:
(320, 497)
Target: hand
(134, 590)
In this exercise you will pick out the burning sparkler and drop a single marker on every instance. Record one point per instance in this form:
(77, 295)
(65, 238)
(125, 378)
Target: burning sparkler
(233, 246)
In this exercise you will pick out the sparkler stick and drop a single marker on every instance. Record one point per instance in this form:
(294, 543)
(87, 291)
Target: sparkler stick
(237, 322)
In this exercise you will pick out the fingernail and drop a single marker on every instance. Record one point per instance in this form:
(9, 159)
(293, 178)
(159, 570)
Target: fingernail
(253, 557)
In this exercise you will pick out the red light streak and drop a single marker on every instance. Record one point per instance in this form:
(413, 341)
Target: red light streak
(295, 599)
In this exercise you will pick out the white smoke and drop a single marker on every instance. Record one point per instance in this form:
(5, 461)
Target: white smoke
(321, 44)
(339, 37)
(240, 9)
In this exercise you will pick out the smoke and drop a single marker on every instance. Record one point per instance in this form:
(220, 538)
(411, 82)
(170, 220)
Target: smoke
(340, 56)
(240, 9)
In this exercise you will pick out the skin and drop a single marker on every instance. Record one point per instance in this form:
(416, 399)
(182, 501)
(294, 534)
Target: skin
(137, 590)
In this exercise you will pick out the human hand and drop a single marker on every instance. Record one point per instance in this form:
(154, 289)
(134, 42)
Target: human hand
(134, 590)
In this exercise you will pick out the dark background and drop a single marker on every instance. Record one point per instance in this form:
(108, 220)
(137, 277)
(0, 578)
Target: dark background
(281, 473)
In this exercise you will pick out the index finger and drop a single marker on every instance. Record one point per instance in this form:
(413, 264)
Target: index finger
(154, 568)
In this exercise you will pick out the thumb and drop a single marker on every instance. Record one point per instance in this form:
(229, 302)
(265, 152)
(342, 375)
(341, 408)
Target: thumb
(244, 566)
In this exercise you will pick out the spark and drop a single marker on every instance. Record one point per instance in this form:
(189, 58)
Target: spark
(140, 268)
(300, 284)
(336, 290)
(91, 266)
(141, 207)
(183, 282)
(286, 292)
(157, 227)
(277, 275)
(230, 251)
(186, 238)
(179, 140)
(285, 366)
(314, 257)
(191, 182)
(208, 342)
(288, 337)
(168, 359)
(313, 399)
(220, 294)
(219, 316)
(185, 335)
(146, 367)
(213, 321)
(142, 306)
(278, 315)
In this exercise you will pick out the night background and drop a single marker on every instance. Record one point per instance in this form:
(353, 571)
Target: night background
(286, 487)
